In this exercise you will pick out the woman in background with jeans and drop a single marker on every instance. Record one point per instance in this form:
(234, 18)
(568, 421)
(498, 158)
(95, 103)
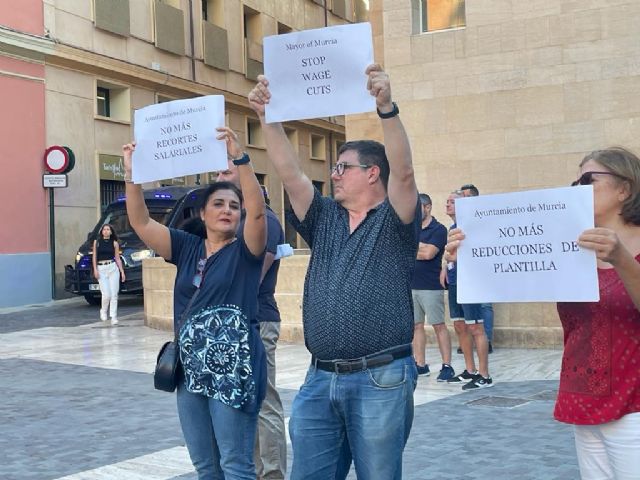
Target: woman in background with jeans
(108, 270)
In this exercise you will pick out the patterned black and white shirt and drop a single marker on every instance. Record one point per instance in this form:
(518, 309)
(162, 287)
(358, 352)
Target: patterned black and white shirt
(357, 292)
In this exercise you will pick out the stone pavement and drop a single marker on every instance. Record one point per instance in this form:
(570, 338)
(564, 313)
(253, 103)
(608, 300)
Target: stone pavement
(78, 404)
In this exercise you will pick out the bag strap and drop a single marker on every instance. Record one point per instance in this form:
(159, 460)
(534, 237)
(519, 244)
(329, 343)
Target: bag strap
(188, 307)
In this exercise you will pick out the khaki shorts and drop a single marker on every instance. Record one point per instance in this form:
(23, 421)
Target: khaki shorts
(429, 303)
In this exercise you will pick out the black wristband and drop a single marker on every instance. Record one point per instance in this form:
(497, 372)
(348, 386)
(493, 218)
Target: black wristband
(390, 114)
(243, 160)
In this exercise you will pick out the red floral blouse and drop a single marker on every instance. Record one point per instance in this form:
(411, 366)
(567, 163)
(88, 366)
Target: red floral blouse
(600, 376)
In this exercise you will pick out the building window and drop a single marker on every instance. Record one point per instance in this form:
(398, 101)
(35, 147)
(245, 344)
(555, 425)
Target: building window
(171, 3)
(292, 135)
(318, 150)
(282, 28)
(103, 102)
(434, 15)
(205, 10)
(319, 186)
(163, 98)
(252, 32)
(213, 12)
(113, 101)
(254, 134)
(110, 191)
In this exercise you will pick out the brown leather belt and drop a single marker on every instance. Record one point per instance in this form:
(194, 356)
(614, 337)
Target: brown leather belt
(359, 364)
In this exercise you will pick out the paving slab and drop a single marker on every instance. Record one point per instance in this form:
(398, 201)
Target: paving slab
(78, 403)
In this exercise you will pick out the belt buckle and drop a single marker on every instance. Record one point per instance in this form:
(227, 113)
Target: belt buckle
(351, 366)
(337, 367)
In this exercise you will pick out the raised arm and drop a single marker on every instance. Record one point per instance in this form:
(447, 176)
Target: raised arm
(155, 235)
(255, 224)
(402, 190)
(281, 153)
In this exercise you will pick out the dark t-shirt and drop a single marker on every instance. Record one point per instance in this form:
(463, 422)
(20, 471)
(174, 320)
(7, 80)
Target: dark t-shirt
(357, 292)
(267, 306)
(231, 279)
(426, 275)
(105, 249)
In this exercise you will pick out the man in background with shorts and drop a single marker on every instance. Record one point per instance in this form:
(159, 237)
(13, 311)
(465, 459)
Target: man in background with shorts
(428, 293)
(468, 323)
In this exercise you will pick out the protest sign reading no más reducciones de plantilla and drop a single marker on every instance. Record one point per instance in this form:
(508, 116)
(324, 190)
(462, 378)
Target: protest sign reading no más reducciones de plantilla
(521, 247)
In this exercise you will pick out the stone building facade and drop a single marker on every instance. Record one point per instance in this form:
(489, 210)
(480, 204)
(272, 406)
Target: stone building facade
(93, 62)
(508, 95)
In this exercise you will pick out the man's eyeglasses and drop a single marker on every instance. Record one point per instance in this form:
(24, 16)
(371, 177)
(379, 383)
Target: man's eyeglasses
(339, 168)
(197, 278)
(587, 178)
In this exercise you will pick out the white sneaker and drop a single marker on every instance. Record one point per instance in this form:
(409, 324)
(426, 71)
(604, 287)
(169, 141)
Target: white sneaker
(114, 321)
(103, 316)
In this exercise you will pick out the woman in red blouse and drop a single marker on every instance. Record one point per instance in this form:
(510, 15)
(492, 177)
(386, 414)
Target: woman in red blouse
(600, 378)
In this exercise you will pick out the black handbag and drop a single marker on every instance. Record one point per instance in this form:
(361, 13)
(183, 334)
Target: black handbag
(165, 377)
(167, 371)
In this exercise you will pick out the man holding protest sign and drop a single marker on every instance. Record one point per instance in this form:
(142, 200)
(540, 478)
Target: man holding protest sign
(357, 398)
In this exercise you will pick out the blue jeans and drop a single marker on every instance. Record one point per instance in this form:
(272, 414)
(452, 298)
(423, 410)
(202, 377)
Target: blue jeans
(366, 416)
(487, 317)
(219, 438)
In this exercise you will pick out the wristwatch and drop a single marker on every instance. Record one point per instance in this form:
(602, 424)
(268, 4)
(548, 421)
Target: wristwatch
(243, 160)
(390, 114)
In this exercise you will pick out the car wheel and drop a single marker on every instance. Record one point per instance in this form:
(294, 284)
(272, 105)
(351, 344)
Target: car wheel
(93, 299)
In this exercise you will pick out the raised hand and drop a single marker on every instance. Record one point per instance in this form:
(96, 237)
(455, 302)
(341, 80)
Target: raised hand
(234, 150)
(379, 86)
(604, 242)
(259, 96)
(127, 153)
(453, 243)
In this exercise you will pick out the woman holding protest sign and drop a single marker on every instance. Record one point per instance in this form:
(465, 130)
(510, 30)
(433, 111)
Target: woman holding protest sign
(215, 304)
(600, 377)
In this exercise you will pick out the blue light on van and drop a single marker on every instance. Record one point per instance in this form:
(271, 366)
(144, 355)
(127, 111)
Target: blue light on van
(162, 195)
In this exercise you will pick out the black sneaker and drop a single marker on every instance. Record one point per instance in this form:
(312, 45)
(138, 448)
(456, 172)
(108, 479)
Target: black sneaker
(446, 373)
(464, 377)
(478, 382)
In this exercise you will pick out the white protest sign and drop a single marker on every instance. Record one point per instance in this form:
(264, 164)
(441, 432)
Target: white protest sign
(521, 247)
(178, 138)
(318, 73)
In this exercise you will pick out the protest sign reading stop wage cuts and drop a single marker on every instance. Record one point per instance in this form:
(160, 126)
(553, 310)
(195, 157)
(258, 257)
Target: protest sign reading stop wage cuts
(318, 73)
(521, 247)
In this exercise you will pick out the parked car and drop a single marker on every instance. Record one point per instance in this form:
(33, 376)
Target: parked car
(171, 206)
